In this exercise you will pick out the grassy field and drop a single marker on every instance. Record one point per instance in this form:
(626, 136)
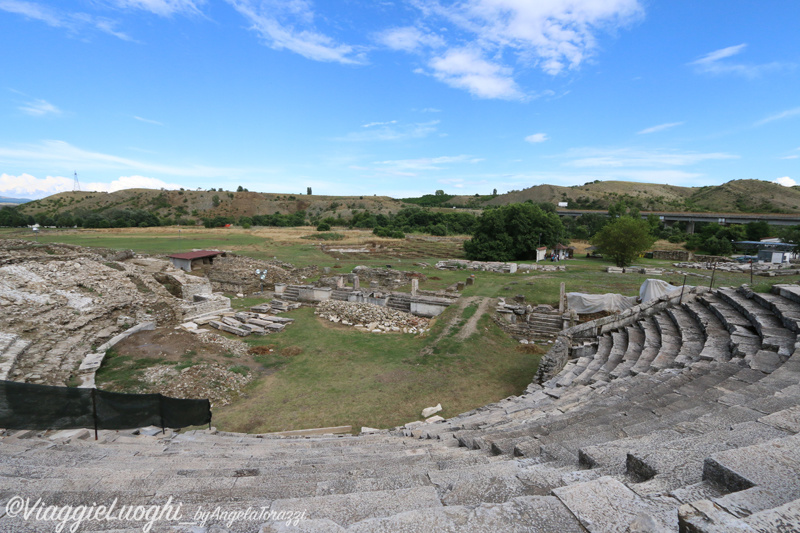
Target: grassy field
(326, 374)
(323, 374)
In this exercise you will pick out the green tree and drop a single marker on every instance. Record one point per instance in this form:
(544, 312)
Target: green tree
(623, 208)
(513, 232)
(757, 230)
(624, 239)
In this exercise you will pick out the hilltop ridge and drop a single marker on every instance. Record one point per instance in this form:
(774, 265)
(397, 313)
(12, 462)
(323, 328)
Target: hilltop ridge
(739, 196)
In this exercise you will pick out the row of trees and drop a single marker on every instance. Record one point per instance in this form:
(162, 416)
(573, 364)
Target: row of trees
(112, 218)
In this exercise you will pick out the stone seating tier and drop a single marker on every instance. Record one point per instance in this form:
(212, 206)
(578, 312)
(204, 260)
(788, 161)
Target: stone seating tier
(685, 419)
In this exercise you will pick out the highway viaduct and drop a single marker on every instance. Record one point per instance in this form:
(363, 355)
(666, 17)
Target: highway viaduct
(691, 219)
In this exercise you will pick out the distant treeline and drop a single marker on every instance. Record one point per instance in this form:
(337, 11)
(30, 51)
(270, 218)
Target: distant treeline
(111, 218)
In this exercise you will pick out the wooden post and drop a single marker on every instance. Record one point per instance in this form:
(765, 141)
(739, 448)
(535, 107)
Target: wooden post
(94, 411)
(713, 272)
(751, 272)
(683, 287)
(161, 413)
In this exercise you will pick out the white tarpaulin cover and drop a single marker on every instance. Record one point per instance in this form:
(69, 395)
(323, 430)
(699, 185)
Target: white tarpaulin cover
(655, 288)
(596, 303)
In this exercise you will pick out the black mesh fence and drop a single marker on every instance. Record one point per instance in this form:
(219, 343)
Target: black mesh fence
(28, 406)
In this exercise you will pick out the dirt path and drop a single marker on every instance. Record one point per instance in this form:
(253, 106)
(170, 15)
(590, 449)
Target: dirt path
(472, 324)
(469, 328)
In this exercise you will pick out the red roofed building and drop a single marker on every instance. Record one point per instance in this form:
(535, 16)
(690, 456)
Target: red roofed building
(189, 260)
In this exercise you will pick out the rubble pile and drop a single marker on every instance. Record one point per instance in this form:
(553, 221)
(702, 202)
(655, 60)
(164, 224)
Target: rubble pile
(231, 346)
(370, 317)
(237, 274)
(204, 380)
(241, 323)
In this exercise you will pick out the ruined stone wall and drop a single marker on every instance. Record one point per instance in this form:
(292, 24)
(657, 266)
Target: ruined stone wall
(386, 278)
(237, 274)
(673, 255)
(711, 258)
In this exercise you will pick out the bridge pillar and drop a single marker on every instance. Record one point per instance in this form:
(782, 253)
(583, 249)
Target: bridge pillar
(690, 227)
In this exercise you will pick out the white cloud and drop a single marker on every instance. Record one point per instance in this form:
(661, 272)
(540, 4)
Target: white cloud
(28, 186)
(779, 116)
(411, 168)
(660, 127)
(132, 182)
(552, 35)
(791, 157)
(38, 108)
(722, 53)
(712, 63)
(148, 121)
(163, 8)
(59, 154)
(430, 163)
(34, 11)
(537, 138)
(409, 39)
(786, 181)
(72, 22)
(275, 20)
(373, 124)
(464, 68)
(391, 132)
(624, 157)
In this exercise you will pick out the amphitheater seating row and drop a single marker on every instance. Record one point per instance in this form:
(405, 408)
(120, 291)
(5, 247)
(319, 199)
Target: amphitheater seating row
(687, 419)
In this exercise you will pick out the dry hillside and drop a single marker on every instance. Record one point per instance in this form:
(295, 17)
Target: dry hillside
(750, 196)
(202, 203)
(747, 196)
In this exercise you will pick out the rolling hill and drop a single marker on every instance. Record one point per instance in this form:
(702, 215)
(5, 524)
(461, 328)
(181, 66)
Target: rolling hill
(740, 196)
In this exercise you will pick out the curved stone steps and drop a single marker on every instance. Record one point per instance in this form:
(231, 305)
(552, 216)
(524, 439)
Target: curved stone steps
(763, 491)
(11, 349)
(652, 344)
(599, 418)
(584, 376)
(678, 463)
(692, 338)
(786, 310)
(670, 342)
(717, 339)
(636, 342)
(744, 337)
(774, 336)
(618, 349)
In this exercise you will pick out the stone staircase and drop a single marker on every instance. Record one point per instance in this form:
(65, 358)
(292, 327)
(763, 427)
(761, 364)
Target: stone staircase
(687, 419)
(11, 347)
(291, 293)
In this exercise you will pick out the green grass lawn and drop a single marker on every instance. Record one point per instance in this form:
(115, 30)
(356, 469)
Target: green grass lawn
(340, 376)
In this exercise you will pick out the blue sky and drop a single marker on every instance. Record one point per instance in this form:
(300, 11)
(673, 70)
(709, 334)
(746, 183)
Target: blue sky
(399, 98)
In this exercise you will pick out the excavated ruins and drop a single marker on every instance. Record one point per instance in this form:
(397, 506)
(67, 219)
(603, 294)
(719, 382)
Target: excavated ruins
(62, 307)
(680, 414)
